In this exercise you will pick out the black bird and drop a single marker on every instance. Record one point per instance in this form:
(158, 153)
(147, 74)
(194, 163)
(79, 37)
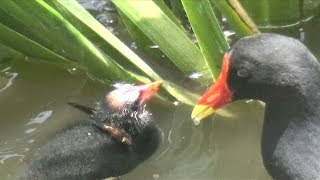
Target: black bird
(284, 74)
(121, 135)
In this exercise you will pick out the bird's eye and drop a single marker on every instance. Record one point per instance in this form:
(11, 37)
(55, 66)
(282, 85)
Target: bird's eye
(243, 73)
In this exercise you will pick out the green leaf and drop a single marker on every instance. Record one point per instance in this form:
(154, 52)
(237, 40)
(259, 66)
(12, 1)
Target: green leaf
(163, 32)
(141, 40)
(78, 11)
(20, 43)
(208, 32)
(180, 93)
(162, 5)
(237, 17)
(62, 41)
(177, 9)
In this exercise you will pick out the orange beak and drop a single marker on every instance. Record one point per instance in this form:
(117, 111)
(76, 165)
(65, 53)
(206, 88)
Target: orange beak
(216, 96)
(147, 91)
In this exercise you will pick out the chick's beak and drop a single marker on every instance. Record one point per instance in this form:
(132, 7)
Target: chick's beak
(148, 90)
(216, 96)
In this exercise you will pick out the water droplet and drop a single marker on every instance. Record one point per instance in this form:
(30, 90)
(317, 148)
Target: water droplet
(224, 19)
(176, 103)
(154, 46)
(72, 70)
(228, 33)
(107, 20)
(196, 121)
(195, 75)
(133, 45)
(250, 101)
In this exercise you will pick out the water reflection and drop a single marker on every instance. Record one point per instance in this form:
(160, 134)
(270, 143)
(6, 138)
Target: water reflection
(18, 145)
(40, 118)
(104, 11)
(154, 46)
(176, 103)
(10, 154)
(8, 77)
(195, 75)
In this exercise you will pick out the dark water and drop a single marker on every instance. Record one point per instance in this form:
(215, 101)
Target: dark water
(33, 99)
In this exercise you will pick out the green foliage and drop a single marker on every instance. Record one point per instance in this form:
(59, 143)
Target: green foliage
(207, 31)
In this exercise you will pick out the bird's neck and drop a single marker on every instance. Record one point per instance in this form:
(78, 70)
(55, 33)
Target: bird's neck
(291, 136)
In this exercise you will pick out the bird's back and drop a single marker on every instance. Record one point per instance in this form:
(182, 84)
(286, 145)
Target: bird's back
(84, 152)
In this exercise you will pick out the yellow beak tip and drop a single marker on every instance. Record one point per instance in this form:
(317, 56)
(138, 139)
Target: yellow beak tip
(200, 112)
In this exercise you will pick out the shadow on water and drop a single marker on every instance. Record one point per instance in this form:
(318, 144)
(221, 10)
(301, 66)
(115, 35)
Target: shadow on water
(33, 99)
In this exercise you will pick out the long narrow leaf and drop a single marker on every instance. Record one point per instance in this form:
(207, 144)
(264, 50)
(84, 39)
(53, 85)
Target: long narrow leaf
(143, 42)
(65, 42)
(162, 5)
(26, 46)
(208, 32)
(164, 33)
(98, 28)
(180, 93)
(237, 17)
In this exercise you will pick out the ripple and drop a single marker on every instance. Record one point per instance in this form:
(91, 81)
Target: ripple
(10, 76)
(8, 156)
(41, 117)
(28, 131)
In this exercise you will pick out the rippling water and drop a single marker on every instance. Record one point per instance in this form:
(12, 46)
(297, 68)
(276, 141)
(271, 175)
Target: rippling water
(227, 146)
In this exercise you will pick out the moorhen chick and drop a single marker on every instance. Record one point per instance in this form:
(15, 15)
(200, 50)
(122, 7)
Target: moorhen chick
(284, 74)
(121, 135)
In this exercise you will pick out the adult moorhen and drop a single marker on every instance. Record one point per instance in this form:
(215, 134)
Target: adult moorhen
(121, 135)
(283, 73)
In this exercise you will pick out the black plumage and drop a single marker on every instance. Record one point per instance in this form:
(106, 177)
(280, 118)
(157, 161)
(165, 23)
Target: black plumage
(97, 149)
(284, 74)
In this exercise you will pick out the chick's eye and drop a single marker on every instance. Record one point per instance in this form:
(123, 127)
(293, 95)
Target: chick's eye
(243, 73)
